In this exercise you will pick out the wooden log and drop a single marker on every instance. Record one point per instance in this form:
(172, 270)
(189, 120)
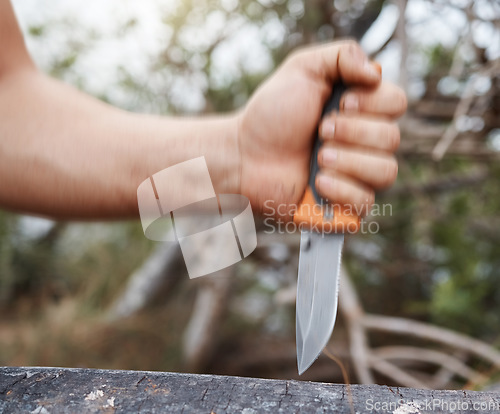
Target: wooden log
(68, 390)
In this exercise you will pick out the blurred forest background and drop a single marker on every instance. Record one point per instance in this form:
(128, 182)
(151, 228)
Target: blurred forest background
(420, 298)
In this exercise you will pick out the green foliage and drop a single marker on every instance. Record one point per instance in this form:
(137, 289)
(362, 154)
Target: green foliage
(36, 31)
(440, 57)
(62, 65)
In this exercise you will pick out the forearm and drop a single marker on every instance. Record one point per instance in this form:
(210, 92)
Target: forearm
(67, 155)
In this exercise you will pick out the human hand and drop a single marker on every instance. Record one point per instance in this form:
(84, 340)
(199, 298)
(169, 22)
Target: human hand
(277, 127)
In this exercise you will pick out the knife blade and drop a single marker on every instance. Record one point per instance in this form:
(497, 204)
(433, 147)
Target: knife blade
(319, 269)
(322, 236)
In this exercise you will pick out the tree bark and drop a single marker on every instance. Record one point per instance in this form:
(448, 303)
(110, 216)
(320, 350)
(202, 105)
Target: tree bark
(68, 390)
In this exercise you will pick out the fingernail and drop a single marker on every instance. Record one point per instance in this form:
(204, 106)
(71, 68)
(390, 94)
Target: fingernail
(328, 129)
(351, 103)
(325, 182)
(371, 70)
(330, 156)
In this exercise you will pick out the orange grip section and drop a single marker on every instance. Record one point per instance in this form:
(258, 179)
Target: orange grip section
(310, 215)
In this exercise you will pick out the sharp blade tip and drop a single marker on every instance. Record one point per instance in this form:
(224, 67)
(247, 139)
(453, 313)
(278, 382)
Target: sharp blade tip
(304, 367)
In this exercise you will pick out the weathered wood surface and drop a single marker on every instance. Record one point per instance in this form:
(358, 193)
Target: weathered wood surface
(62, 390)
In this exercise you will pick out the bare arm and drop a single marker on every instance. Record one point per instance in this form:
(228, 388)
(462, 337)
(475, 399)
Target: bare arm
(65, 154)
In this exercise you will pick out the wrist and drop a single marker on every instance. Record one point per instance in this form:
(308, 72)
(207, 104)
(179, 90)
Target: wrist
(175, 140)
(231, 159)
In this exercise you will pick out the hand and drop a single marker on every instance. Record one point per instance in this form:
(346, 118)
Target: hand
(277, 127)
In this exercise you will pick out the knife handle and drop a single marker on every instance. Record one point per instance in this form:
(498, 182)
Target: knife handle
(314, 212)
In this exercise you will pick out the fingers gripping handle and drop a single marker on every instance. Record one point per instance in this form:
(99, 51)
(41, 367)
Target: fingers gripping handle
(333, 104)
(315, 212)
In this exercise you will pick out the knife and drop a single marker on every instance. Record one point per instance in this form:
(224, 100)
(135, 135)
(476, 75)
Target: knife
(322, 236)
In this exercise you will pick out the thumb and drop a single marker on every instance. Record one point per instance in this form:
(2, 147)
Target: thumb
(338, 60)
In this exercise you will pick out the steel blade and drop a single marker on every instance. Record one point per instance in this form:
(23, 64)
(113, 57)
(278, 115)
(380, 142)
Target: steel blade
(317, 294)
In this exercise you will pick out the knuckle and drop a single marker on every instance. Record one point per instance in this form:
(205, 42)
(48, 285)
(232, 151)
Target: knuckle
(297, 57)
(390, 172)
(351, 46)
(402, 101)
(368, 200)
(294, 58)
(394, 137)
(350, 52)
